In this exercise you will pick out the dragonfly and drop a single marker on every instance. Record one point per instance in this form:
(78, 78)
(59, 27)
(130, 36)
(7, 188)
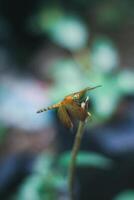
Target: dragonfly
(71, 107)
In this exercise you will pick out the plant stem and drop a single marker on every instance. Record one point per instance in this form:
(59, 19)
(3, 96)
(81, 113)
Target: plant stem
(75, 150)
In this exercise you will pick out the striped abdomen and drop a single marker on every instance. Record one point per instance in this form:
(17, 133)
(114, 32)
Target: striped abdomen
(49, 108)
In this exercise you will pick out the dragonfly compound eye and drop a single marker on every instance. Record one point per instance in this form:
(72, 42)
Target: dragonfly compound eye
(76, 97)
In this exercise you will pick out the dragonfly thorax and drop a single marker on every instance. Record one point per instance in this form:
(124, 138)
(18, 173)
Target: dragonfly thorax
(68, 99)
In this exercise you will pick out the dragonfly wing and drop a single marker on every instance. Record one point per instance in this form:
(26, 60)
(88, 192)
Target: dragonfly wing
(64, 117)
(82, 93)
(92, 88)
(76, 111)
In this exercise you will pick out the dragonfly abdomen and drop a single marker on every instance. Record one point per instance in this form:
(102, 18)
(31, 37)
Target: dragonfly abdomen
(49, 108)
(42, 110)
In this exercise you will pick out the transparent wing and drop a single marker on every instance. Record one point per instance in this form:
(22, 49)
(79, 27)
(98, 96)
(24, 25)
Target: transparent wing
(92, 88)
(64, 117)
(76, 111)
(83, 92)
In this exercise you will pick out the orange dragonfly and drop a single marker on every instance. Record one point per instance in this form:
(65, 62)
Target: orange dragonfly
(71, 106)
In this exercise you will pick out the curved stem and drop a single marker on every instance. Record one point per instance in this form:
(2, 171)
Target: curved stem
(75, 150)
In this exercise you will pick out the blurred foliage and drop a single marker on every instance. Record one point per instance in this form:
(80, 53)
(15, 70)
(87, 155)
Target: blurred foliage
(3, 133)
(45, 182)
(86, 159)
(104, 55)
(49, 178)
(66, 30)
(70, 33)
(126, 195)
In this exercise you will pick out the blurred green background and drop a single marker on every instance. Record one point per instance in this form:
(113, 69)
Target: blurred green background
(49, 49)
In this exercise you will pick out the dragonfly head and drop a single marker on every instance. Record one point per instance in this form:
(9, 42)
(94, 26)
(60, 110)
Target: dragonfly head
(78, 97)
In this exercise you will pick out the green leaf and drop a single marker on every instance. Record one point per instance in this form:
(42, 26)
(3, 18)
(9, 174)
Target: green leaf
(43, 164)
(3, 133)
(126, 195)
(126, 81)
(84, 159)
(70, 32)
(106, 99)
(62, 72)
(30, 189)
(49, 17)
(104, 55)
